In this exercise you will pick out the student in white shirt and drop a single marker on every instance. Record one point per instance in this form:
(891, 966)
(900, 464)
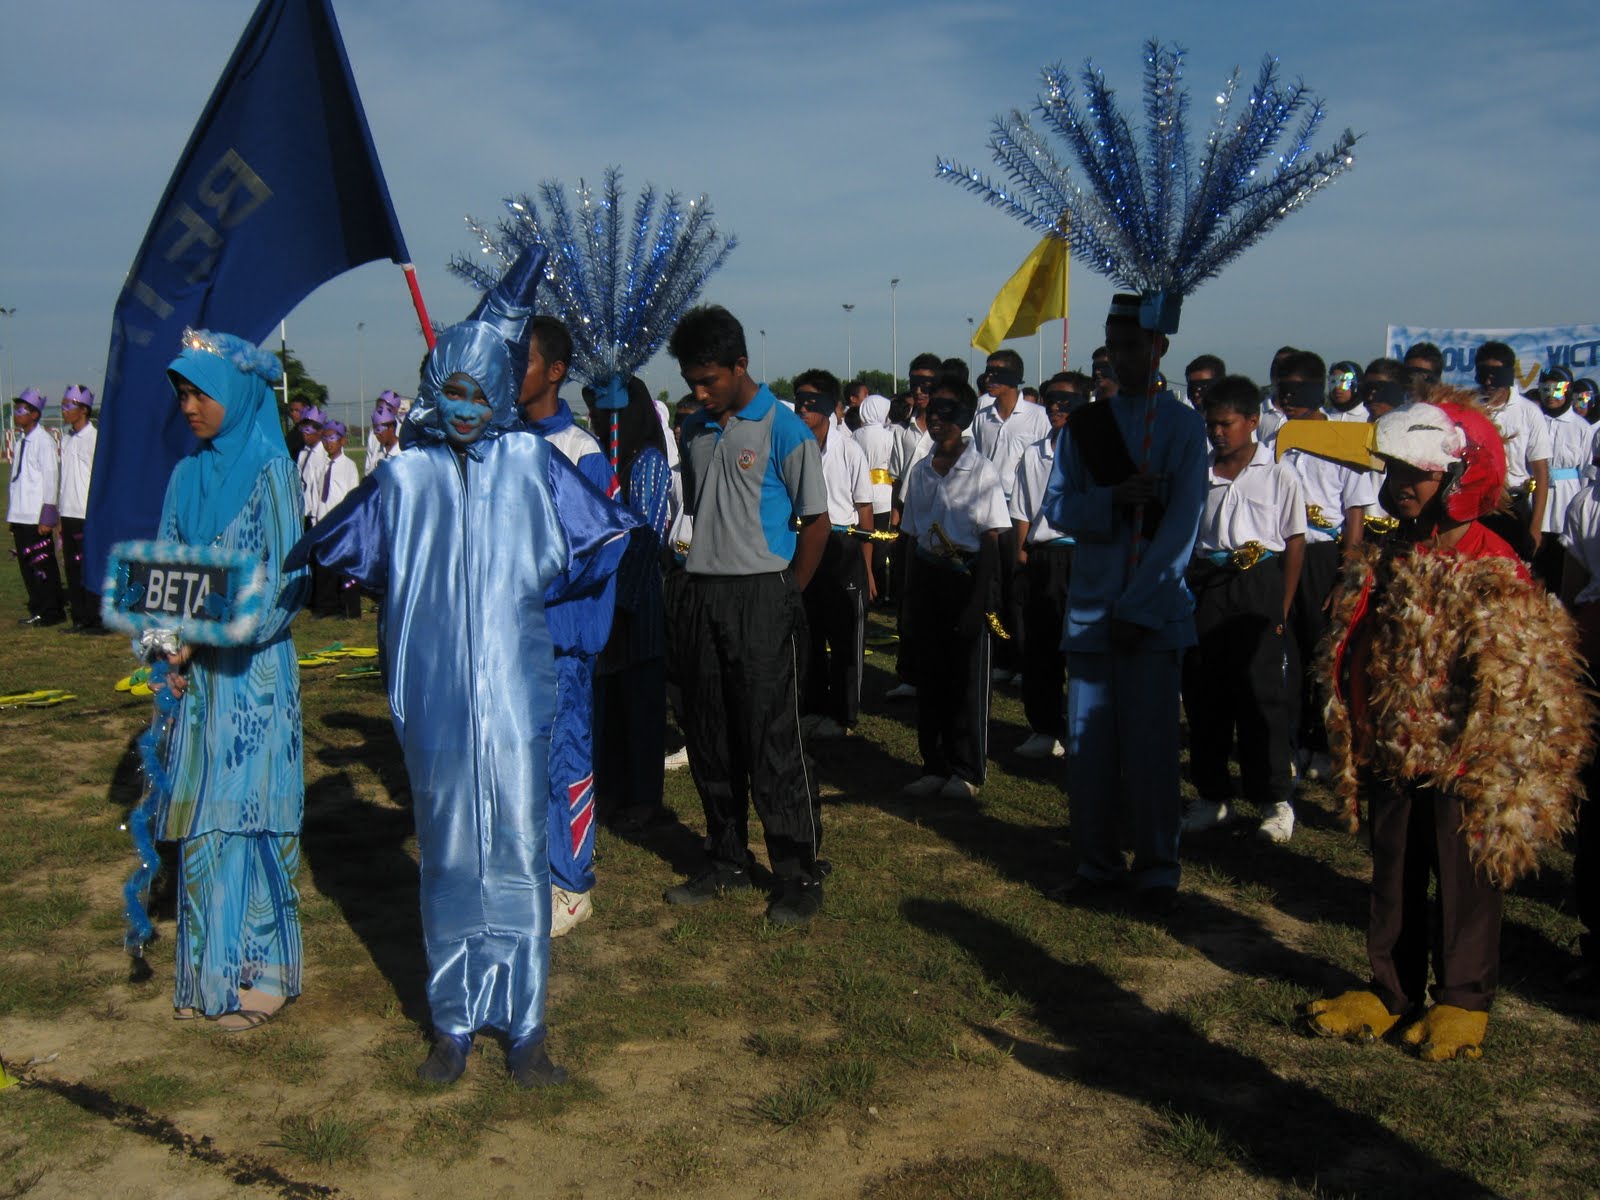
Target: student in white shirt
(1336, 498)
(911, 448)
(1343, 401)
(312, 461)
(1044, 556)
(385, 442)
(836, 598)
(77, 462)
(878, 441)
(1570, 437)
(1527, 449)
(954, 515)
(31, 510)
(335, 594)
(1244, 572)
(1002, 429)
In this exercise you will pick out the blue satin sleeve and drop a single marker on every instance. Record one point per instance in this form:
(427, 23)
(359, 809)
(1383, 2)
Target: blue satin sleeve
(579, 602)
(650, 498)
(350, 538)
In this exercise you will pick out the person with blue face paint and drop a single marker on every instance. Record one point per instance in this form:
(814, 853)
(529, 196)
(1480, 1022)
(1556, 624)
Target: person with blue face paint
(461, 538)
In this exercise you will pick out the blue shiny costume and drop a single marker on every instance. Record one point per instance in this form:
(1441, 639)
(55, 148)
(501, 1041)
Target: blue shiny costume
(579, 627)
(465, 549)
(1122, 704)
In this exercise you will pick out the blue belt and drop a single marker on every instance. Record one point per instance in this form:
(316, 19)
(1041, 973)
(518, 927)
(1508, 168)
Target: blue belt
(1563, 473)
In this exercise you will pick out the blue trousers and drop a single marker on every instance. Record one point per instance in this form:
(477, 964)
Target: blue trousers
(571, 828)
(1122, 764)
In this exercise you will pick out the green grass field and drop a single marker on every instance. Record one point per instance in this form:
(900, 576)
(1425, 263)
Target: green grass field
(942, 1030)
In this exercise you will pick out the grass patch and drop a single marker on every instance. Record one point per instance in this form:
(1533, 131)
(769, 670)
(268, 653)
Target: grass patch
(1195, 1141)
(326, 1140)
(990, 1177)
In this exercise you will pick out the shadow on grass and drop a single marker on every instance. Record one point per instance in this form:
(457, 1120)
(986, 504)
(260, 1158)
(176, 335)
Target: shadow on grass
(357, 855)
(1109, 1039)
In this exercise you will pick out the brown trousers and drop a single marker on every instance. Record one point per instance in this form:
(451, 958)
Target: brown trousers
(1417, 831)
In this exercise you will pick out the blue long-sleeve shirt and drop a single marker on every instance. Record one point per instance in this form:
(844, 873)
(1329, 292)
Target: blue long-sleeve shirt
(1102, 589)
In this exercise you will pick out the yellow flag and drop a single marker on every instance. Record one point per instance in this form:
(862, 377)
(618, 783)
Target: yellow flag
(1035, 294)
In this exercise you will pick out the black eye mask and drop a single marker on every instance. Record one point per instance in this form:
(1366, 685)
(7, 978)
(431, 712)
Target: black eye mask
(1301, 393)
(1003, 377)
(1496, 377)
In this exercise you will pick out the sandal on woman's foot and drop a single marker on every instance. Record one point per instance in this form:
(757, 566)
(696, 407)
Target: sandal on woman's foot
(242, 1020)
(186, 1014)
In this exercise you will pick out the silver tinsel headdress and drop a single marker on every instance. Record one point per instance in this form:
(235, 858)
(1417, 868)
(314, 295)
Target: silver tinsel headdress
(1149, 217)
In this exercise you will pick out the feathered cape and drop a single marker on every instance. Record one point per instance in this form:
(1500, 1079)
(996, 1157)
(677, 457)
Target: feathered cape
(1473, 686)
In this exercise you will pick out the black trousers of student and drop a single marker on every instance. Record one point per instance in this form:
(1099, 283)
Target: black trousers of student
(836, 619)
(1586, 865)
(630, 720)
(36, 556)
(84, 604)
(951, 674)
(1044, 610)
(1236, 680)
(333, 594)
(1417, 831)
(1008, 654)
(1308, 623)
(900, 567)
(734, 645)
(883, 573)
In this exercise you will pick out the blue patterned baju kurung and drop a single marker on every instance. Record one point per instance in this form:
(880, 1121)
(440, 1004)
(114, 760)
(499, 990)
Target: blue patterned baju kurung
(234, 759)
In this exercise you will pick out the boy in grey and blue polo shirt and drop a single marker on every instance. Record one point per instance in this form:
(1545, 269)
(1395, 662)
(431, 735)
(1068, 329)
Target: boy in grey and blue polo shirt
(752, 481)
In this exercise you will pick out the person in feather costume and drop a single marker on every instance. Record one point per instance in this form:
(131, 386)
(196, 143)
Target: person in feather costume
(1457, 713)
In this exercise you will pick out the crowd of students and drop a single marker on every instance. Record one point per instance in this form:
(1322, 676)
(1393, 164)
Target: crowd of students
(1111, 547)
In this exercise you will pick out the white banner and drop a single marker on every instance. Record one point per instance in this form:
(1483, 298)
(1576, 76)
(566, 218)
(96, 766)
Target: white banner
(1576, 347)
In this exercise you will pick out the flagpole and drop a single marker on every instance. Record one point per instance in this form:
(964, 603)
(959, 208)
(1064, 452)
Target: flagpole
(283, 343)
(1066, 309)
(416, 302)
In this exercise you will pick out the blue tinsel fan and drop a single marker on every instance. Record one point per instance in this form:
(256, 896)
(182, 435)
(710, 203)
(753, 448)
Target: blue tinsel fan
(618, 284)
(1149, 217)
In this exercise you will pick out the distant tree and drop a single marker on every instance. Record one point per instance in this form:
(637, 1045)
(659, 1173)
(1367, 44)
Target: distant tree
(880, 382)
(783, 388)
(665, 396)
(301, 386)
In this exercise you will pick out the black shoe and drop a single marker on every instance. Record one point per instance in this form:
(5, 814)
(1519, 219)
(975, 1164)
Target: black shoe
(708, 885)
(1157, 901)
(1086, 891)
(798, 900)
(445, 1062)
(530, 1066)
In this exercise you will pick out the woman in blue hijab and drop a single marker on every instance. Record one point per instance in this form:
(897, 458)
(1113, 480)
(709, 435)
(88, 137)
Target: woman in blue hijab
(234, 753)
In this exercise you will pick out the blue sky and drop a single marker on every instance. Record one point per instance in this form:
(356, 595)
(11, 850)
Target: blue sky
(814, 127)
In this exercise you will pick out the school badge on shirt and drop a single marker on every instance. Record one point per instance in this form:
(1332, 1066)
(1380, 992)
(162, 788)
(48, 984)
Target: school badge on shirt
(747, 459)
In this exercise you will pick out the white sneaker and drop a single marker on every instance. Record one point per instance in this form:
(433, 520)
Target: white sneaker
(901, 691)
(678, 758)
(568, 909)
(1203, 815)
(1041, 745)
(1279, 825)
(826, 727)
(927, 786)
(957, 788)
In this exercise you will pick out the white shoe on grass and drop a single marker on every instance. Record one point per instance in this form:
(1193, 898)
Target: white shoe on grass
(1279, 825)
(928, 785)
(957, 788)
(901, 691)
(677, 759)
(1041, 745)
(568, 909)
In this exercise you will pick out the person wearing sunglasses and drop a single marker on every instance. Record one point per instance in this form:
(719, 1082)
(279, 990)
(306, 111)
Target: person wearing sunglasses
(1527, 439)
(1570, 438)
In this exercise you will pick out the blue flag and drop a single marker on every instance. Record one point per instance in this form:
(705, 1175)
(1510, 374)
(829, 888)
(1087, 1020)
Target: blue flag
(278, 191)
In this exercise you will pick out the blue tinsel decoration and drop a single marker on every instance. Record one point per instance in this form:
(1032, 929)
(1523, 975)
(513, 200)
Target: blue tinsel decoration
(619, 284)
(1149, 217)
(157, 787)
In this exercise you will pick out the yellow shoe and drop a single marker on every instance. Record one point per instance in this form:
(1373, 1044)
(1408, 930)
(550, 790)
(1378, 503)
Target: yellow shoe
(1446, 1032)
(1358, 1016)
